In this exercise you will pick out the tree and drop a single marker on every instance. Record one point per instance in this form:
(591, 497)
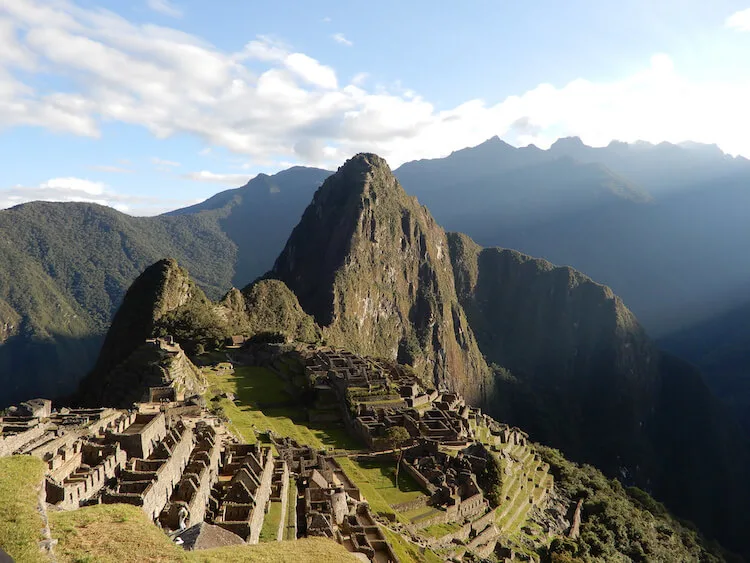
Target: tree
(396, 436)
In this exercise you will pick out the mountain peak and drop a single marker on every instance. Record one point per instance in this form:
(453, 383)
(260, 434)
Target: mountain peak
(567, 143)
(371, 266)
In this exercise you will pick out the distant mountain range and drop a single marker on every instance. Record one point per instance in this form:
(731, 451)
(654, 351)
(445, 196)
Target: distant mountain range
(664, 225)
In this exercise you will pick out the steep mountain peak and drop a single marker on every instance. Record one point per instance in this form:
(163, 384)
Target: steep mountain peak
(161, 288)
(371, 266)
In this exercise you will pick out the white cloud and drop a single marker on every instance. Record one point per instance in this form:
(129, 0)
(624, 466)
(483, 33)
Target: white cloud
(165, 7)
(739, 20)
(311, 70)
(111, 169)
(359, 78)
(340, 38)
(162, 162)
(273, 105)
(82, 190)
(326, 20)
(214, 178)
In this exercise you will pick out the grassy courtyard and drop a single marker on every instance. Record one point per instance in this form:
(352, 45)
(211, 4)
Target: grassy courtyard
(262, 403)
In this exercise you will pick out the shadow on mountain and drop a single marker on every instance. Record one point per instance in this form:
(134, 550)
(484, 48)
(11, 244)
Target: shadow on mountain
(44, 367)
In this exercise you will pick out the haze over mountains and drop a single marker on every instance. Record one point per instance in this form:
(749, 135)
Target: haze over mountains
(663, 225)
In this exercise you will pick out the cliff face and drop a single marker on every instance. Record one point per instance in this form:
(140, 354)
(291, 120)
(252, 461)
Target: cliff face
(372, 267)
(575, 369)
(580, 366)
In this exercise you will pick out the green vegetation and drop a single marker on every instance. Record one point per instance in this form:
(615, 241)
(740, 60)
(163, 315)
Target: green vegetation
(271, 522)
(380, 475)
(253, 387)
(440, 530)
(491, 480)
(273, 308)
(291, 508)
(118, 533)
(396, 437)
(620, 524)
(407, 551)
(20, 521)
(111, 533)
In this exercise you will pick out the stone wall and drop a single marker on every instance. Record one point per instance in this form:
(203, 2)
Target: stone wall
(140, 438)
(194, 488)
(150, 483)
(86, 481)
(262, 496)
(9, 443)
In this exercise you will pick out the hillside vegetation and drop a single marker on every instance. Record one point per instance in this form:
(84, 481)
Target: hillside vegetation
(65, 267)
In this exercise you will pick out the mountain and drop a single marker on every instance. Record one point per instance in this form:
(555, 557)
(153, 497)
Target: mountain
(259, 216)
(65, 267)
(368, 269)
(577, 371)
(561, 336)
(372, 267)
(720, 348)
(638, 217)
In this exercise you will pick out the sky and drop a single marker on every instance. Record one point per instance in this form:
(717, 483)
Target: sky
(150, 105)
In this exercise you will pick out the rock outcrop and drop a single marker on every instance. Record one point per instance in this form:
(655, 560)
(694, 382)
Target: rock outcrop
(371, 266)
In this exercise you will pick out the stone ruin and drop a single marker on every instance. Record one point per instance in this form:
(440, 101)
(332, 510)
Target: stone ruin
(330, 505)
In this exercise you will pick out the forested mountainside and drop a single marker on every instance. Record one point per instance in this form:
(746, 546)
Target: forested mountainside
(375, 274)
(600, 210)
(65, 267)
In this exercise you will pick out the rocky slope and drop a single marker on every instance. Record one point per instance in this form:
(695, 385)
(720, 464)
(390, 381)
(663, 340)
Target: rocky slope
(162, 288)
(372, 267)
(552, 328)
(575, 369)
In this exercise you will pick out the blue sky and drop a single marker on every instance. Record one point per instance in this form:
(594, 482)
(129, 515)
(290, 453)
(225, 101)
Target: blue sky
(153, 104)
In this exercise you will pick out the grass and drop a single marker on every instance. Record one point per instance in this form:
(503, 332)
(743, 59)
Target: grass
(407, 551)
(119, 533)
(20, 523)
(114, 533)
(440, 530)
(382, 476)
(270, 528)
(377, 503)
(291, 508)
(254, 387)
(308, 550)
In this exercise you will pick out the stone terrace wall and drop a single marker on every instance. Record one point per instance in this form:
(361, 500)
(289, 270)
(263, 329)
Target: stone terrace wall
(151, 482)
(11, 442)
(194, 488)
(262, 497)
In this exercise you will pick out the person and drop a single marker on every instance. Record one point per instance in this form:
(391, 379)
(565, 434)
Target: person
(182, 516)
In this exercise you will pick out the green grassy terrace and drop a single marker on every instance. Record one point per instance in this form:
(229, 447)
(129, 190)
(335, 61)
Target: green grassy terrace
(20, 522)
(119, 533)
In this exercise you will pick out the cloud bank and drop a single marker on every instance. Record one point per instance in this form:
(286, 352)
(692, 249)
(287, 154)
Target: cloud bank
(82, 190)
(274, 105)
